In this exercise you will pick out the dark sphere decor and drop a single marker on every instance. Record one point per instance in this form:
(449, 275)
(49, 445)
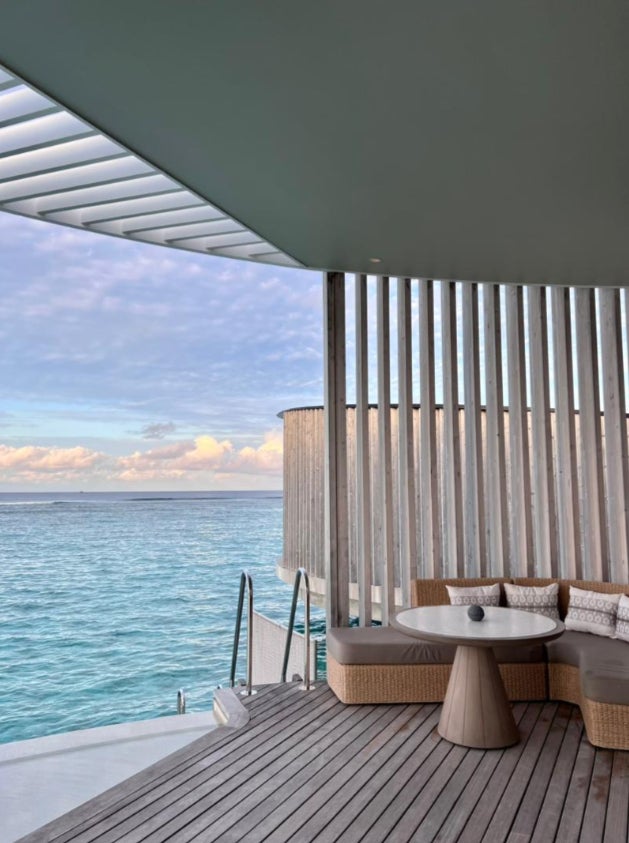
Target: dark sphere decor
(476, 613)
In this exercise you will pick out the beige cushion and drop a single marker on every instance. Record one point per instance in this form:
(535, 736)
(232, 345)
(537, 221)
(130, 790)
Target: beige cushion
(622, 619)
(385, 645)
(592, 611)
(479, 595)
(542, 600)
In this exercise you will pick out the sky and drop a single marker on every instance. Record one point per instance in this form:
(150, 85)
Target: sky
(128, 366)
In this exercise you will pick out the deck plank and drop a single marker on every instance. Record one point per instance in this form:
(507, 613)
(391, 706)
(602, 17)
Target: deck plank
(617, 819)
(598, 794)
(506, 810)
(305, 768)
(531, 804)
(557, 789)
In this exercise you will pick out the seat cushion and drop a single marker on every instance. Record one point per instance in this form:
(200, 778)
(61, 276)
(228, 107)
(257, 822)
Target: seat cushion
(385, 645)
(607, 682)
(583, 648)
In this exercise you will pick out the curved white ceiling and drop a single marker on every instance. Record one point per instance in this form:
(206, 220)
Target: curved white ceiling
(55, 166)
(476, 141)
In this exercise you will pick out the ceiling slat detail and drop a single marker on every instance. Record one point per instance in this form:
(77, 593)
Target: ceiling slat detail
(54, 166)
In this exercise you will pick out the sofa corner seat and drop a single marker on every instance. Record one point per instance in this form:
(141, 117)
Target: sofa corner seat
(381, 665)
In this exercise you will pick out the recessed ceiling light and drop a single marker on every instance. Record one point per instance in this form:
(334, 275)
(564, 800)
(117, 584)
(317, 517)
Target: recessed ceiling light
(375, 260)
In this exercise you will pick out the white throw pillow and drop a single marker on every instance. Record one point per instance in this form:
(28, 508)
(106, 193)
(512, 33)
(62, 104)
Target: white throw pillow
(539, 599)
(592, 611)
(622, 619)
(479, 595)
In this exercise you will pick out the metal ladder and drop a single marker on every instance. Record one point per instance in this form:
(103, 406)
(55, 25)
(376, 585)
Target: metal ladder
(245, 583)
(301, 574)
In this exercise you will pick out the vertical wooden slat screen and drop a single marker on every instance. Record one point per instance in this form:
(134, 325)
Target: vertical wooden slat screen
(384, 449)
(363, 476)
(474, 531)
(543, 497)
(335, 456)
(495, 474)
(593, 511)
(520, 482)
(540, 492)
(615, 419)
(452, 499)
(406, 440)
(566, 476)
(429, 497)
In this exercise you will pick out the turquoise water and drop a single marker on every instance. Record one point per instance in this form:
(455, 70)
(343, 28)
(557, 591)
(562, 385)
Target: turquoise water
(109, 603)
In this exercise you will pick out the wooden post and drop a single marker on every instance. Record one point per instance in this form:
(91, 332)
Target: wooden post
(543, 497)
(496, 478)
(363, 475)
(474, 514)
(595, 561)
(566, 476)
(430, 544)
(520, 477)
(335, 507)
(384, 450)
(406, 440)
(617, 485)
(453, 556)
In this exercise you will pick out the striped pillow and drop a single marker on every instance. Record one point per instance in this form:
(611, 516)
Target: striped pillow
(539, 599)
(479, 595)
(622, 620)
(592, 611)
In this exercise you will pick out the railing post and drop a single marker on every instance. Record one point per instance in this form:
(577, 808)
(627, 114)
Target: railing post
(299, 576)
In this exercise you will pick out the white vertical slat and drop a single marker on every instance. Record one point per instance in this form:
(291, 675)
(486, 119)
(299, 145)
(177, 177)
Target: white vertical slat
(543, 498)
(593, 505)
(520, 478)
(474, 520)
(335, 459)
(406, 473)
(616, 473)
(453, 554)
(566, 475)
(429, 477)
(384, 449)
(496, 478)
(363, 475)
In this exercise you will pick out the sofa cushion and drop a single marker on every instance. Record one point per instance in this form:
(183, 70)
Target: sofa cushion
(541, 600)
(384, 645)
(584, 649)
(480, 595)
(591, 611)
(606, 683)
(622, 619)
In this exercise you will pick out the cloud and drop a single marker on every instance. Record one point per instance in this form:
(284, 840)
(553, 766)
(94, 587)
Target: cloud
(203, 455)
(158, 430)
(30, 462)
(198, 462)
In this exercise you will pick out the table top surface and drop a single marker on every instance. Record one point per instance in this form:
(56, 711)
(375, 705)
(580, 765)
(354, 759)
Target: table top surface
(499, 626)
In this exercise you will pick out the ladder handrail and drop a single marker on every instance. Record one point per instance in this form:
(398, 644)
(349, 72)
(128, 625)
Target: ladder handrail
(245, 583)
(300, 575)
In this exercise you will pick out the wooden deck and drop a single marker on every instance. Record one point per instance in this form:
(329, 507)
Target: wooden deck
(305, 767)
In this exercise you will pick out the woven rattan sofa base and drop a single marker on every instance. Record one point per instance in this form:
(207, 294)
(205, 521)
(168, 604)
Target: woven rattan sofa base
(606, 725)
(416, 683)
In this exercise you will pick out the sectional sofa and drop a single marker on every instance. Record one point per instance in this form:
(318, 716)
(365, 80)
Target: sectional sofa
(381, 665)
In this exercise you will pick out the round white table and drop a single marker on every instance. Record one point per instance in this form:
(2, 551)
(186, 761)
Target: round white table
(476, 711)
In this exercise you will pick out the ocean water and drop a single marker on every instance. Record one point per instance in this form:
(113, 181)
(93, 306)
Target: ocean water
(109, 603)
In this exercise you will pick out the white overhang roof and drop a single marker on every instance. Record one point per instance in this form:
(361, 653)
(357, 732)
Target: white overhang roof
(56, 167)
(481, 141)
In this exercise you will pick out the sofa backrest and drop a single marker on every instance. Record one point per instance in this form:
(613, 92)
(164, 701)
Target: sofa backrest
(435, 593)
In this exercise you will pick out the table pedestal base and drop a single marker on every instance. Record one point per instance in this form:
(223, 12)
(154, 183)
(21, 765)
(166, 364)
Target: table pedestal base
(476, 711)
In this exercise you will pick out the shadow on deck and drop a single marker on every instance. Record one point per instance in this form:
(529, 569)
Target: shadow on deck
(306, 767)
